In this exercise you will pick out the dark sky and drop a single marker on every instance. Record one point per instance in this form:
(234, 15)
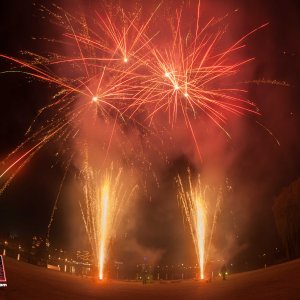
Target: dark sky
(257, 172)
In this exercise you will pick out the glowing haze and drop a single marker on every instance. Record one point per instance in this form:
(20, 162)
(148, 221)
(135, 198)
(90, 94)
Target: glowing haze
(126, 81)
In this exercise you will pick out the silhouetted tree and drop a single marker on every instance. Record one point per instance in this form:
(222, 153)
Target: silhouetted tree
(286, 210)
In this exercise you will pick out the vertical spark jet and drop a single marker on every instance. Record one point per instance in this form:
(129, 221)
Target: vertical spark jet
(193, 206)
(200, 224)
(102, 208)
(104, 205)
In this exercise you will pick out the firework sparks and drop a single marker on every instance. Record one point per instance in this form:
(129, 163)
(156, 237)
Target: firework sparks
(195, 213)
(200, 222)
(123, 74)
(102, 207)
(93, 85)
(199, 217)
(103, 230)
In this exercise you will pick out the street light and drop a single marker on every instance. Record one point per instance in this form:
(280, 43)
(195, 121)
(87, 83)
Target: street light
(4, 250)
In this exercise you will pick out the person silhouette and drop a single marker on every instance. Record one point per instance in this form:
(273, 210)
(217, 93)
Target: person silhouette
(224, 272)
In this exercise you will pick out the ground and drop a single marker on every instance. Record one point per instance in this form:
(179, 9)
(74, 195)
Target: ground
(25, 281)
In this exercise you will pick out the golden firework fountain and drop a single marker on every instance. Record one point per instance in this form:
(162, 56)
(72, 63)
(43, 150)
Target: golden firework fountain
(196, 213)
(102, 207)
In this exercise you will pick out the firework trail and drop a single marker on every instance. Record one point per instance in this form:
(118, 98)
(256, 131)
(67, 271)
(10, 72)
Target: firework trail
(200, 217)
(55, 206)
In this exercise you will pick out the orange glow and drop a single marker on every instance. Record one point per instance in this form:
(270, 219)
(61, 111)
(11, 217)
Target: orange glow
(95, 99)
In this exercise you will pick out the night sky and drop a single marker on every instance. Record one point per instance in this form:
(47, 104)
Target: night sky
(251, 162)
